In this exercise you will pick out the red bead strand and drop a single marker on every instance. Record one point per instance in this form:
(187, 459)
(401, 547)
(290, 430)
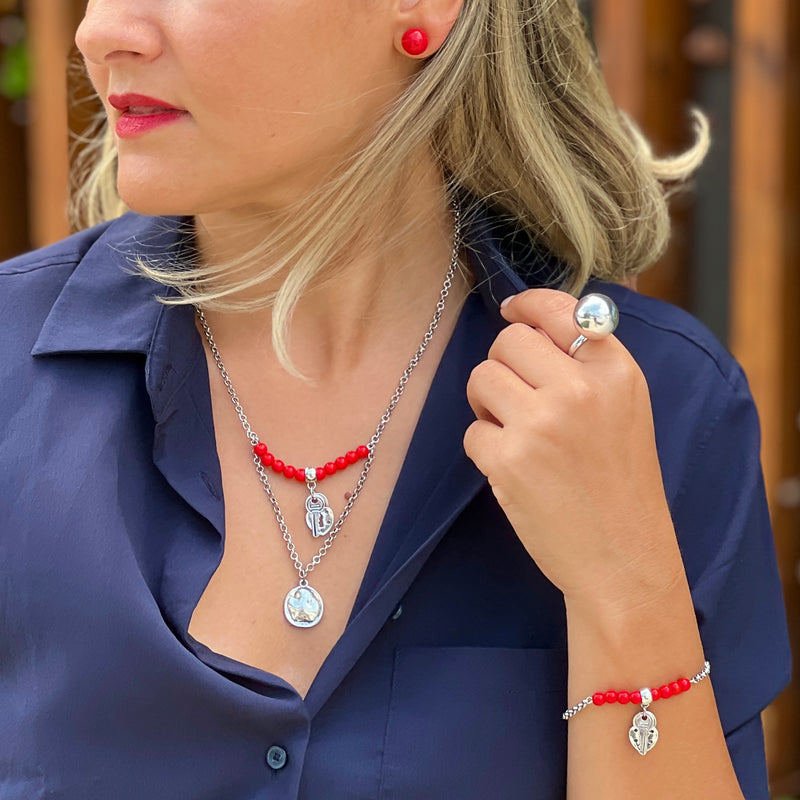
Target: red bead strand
(636, 697)
(661, 693)
(298, 473)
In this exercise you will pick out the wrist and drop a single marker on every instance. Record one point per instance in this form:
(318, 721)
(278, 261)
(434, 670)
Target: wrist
(614, 630)
(648, 587)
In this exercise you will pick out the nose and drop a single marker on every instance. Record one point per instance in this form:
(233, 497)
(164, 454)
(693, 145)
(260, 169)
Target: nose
(113, 30)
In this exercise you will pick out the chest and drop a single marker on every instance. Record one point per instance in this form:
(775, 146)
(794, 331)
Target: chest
(270, 548)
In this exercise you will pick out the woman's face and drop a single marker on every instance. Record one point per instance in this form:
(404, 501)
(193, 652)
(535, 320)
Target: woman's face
(220, 105)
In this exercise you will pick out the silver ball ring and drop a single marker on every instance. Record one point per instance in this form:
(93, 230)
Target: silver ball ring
(596, 316)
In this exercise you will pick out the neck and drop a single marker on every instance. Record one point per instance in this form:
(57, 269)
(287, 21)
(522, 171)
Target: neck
(356, 308)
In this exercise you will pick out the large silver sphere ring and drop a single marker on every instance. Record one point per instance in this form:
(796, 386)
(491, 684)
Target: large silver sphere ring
(596, 316)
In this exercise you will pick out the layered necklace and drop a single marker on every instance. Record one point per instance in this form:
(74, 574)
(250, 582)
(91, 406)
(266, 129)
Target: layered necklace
(303, 606)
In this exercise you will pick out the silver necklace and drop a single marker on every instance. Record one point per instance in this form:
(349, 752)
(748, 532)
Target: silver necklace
(303, 606)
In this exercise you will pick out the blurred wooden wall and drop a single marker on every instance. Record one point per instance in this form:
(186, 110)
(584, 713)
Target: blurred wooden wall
(13, 198)
(51, 30)
(765, 300)
(652, 55)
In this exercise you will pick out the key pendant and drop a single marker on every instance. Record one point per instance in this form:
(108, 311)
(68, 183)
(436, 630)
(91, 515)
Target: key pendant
(643, 733)
(319, 515)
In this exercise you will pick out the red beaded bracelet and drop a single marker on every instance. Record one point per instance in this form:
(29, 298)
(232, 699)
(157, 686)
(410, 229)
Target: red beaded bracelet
(665, 691)
(643, 734)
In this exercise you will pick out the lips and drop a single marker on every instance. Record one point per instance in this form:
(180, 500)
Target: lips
(141, 114)
(140, 104)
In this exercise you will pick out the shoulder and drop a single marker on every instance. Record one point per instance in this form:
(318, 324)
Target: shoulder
(668, 342)
(89, 279)
(53, 264)
(703, 412)
(31, 282)
(66, 253)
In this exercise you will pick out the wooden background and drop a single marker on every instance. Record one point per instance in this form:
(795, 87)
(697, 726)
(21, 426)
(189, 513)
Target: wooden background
(736, 251)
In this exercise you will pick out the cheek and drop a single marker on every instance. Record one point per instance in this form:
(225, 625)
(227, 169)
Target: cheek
(99, 77)
(290, 58)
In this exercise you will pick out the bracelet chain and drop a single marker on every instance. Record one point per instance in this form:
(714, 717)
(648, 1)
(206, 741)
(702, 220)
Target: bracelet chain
(588, 701)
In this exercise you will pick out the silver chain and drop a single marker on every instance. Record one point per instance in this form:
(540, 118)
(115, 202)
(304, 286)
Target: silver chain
(589, 701)
(304, 569)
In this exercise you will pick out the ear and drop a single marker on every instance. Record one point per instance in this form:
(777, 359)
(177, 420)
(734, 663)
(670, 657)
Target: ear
(435, 17)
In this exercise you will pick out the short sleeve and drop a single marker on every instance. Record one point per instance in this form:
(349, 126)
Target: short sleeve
(723, 527)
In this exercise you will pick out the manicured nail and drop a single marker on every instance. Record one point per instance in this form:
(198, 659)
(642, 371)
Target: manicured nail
(507, 301)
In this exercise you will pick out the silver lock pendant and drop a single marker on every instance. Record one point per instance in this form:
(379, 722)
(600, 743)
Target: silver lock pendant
(319, 515)
(643, 733)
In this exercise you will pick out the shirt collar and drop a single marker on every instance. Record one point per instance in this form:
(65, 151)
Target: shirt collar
(106, 305)
(505, 259)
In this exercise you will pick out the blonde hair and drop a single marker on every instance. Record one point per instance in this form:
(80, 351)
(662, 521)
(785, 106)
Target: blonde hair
(515, 110)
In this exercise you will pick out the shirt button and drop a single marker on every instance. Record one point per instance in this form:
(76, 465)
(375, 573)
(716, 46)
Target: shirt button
(277, 757)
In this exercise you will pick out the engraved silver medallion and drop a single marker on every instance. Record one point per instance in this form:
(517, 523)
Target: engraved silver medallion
(319, 515)
(643, 733)
(303, 607)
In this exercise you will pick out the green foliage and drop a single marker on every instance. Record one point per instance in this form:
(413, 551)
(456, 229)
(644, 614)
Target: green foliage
(15, 72)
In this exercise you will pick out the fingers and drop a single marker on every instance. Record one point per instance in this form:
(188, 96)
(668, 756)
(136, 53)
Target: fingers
(483, 443)
(496, 393)
(527, 354)
(531, 354)
(552, 311)
(528, 374)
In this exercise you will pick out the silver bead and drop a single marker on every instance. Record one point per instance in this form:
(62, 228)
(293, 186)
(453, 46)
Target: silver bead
(596, 316)
(647, 696)
(311, 474)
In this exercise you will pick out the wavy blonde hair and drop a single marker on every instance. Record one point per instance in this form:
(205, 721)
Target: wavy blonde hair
(516, 112)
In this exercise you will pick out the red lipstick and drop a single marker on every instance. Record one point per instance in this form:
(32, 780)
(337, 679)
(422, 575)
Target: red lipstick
(142, 114)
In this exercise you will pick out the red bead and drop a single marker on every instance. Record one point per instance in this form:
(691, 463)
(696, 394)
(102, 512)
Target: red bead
(598, 698)
(636, 697)
(321, 473)
(261, 449)
(675, 687)
(611, 696)
(289, 471)
(300, 476)
(685, 684)
(341, 462)
(656, 694)
(415, 41)
(362, 451)
(351, 456)
(624, 698)
(267, 459)
(277, 465)
(330, 468)
(665, 691)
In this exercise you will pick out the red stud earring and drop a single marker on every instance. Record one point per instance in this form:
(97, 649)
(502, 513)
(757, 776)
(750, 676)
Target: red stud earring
(415, 41)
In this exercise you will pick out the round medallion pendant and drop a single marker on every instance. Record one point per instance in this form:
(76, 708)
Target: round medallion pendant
(303, 607)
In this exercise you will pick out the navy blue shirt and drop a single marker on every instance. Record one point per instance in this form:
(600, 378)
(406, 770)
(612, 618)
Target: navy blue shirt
(450, 678)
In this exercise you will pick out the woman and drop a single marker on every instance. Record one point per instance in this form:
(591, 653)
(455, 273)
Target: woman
(393, 601)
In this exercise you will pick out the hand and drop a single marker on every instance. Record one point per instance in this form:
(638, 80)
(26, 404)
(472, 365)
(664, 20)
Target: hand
(568, 446)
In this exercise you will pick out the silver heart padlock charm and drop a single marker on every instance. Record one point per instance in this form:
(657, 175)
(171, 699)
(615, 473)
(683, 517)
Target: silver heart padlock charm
(643, 733)
(319, 515)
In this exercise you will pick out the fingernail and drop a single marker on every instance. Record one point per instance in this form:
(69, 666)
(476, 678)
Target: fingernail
(507, 301)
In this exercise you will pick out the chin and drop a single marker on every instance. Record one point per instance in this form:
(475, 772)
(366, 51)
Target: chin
(154, 199)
